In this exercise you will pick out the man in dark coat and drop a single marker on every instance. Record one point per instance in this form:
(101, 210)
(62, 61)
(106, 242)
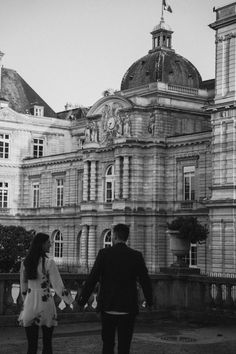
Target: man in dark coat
(117, 269)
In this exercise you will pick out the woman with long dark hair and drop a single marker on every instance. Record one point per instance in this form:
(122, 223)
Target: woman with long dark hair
(37, 275)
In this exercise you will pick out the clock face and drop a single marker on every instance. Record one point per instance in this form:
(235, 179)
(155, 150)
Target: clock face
(111, 123)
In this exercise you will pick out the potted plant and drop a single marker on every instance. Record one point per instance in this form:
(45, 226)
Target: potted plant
(183, 231)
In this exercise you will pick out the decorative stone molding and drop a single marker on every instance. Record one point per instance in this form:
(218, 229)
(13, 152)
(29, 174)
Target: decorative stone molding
(225, 37)
(188, 157)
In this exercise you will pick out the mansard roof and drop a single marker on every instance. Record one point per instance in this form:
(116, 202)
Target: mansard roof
(20, 95)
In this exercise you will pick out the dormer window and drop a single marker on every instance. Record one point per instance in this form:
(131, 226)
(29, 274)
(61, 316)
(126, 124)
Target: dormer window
(37, 110)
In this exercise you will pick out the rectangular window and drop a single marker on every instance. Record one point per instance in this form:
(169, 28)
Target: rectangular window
(3, 194)
(58, 250)
(4, 146)
(189, 183)
(60, 192)
(38, 148)
(191, 259)
(36, 195)
(38, 111)
(109, 192)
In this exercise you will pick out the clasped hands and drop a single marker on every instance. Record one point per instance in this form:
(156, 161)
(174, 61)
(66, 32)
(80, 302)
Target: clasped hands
(80, 308)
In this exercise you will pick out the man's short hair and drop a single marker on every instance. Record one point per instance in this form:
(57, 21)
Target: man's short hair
(121, 231)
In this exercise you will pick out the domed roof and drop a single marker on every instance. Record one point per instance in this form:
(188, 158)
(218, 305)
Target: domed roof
(161, 64)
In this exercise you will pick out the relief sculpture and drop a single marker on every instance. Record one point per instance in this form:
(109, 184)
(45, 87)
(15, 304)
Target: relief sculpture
(115, 123)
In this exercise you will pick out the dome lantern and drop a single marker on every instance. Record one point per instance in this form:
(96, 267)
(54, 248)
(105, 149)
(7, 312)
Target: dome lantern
(161, 36)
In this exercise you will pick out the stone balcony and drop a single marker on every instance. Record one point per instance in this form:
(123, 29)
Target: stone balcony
(175, 295)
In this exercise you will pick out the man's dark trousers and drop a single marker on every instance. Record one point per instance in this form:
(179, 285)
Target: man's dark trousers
(124, 325)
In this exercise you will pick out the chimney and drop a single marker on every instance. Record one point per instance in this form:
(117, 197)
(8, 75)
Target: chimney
(1, 56)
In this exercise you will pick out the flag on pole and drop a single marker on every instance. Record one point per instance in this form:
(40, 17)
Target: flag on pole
(166, 6)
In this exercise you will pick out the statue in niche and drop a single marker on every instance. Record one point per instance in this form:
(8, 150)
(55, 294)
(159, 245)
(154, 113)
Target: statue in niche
(119, 125)
(105, 115)
(118, 119)
(94, 132)
(91, 132)
(152, 124)
(127, 125)
(87, 133)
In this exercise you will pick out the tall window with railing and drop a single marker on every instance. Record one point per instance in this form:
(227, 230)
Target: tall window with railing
(4, 194)
(4, 146)
(189, 183)
(109, 184)
(60, 192)
(36, 195)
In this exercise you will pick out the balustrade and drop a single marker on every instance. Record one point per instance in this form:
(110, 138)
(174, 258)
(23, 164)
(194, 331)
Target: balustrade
(171, 292)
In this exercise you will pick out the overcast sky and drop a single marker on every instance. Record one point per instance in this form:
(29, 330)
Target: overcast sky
(73, 50)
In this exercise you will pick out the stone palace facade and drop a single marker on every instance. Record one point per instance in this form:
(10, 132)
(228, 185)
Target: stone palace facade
(162, 146)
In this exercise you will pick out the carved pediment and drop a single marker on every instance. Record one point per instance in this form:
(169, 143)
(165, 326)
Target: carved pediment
(113, 100)
(9, 114)
(109, 118)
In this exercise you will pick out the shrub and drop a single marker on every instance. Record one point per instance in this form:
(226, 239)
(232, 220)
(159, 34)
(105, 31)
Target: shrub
(189, 228)
(14, 243)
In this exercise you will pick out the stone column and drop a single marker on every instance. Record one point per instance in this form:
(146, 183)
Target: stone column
(72, 186)
(91, 245)
(126, 178)
(85, 182)
(117, 178)
(137, 178)
(93, 181)
(223, 161)
(84, 246)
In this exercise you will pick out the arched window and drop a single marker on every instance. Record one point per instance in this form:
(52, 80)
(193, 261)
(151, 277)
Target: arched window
(57, 244)
(109, 184)
(107, 242)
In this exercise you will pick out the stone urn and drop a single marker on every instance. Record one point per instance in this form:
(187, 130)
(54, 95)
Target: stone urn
(179, 247)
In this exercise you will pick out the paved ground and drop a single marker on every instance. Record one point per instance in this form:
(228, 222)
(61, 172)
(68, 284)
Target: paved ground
(159, 337)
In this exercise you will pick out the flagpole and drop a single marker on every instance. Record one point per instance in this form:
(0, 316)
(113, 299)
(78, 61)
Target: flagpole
(162, 11)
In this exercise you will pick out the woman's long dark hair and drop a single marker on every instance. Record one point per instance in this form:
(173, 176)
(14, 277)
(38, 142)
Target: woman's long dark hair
(35, 252)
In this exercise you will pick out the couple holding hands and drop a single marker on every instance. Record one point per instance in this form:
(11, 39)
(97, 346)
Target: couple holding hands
(116, 268)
